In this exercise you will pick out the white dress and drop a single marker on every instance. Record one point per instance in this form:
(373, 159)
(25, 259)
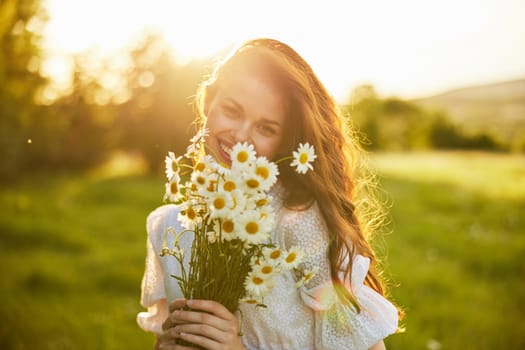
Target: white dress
(306, 318)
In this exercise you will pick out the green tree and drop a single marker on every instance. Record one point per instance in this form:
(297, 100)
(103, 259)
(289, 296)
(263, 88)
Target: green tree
(21, 26)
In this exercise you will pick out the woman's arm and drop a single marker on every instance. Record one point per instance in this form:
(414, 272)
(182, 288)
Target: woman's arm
(378, 346)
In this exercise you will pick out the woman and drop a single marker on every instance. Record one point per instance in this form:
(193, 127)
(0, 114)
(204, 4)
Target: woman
(267, 95)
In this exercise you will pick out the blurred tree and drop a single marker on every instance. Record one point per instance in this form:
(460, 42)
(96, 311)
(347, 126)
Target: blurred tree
(389, 123)
(21, 26)
(82, 134)
(395, 124)
(158, 116)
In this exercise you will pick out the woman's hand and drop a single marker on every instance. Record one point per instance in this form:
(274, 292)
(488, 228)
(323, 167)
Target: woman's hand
(209, 325)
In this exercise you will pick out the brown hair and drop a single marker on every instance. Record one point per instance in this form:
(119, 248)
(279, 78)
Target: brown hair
(338, 180)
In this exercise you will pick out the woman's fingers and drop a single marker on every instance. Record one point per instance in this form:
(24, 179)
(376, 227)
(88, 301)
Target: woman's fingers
(205, 323)
(212, 307)
(201, 341)
(170, 321)
(202, 330)
(177, 304)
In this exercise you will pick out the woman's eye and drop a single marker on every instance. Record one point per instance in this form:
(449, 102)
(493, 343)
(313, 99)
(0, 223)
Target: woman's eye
(231, 112)
(267, 130)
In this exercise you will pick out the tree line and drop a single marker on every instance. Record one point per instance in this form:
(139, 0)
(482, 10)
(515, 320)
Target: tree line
(394, 124)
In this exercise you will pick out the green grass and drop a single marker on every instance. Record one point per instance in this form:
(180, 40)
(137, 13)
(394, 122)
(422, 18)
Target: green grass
(456, 248)
(72, 251)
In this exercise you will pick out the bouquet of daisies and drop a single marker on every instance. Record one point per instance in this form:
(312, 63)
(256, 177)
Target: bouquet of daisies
(228, 212)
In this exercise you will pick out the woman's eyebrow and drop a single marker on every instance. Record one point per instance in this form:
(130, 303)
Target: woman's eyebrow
(271, 121)
(234, 102)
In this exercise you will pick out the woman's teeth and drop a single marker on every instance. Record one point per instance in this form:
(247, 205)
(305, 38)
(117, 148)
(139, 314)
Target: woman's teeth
(226, 150)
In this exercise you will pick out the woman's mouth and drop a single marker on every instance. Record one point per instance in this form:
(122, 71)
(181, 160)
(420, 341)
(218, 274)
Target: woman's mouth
(225, 152)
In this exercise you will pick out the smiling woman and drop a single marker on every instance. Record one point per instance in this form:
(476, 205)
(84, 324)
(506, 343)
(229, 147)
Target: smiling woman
(265, 99)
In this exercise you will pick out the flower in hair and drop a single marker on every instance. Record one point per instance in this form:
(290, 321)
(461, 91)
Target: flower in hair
(303, 157)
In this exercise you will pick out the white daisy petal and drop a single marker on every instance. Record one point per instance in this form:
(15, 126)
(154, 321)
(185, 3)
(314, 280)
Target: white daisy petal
(242, 156)
(303, 158)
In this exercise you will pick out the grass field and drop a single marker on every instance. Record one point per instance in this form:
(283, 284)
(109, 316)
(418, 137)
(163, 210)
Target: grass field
(72, 254)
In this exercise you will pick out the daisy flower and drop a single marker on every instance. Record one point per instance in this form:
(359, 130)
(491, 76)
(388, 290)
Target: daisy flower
(292, 258)
(242, 156)
(267, 172)
(173, 193)
(257, 285)
(220, 204)
(273, 255)
(252, 228)
(303, 158)
(200, 135)
(307, 276)
(228, 229)
(204, 182)
(251, 184)
(264, 269)
(239, 202)
(172, 164)
(204, 164)
(188, 216)
(260, 200)
(229, 184)
(193, 151)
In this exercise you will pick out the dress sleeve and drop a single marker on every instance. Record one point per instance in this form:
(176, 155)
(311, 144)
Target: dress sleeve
(153, 291)
(337, 325)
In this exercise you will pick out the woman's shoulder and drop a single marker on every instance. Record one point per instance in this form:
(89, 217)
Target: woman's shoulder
(303, 226)
(307, 213)
(163, 212)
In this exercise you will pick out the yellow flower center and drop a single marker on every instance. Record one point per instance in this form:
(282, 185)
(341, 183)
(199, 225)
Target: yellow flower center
(242, 156)
(252, 183)
(211, 186)
(190, 213)
(257, 280)
(252, 228)
(201, 180)
(275, 254)
(219, 203)
(251, 301)
(262, 172)
(174, 166)
(261, 202)
(267, 270)
(174, 188)
(229, 186)
(303, 158)
(200, 166)
(291, 257)
(227, 226)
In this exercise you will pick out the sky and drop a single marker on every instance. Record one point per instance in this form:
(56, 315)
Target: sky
(404, 48)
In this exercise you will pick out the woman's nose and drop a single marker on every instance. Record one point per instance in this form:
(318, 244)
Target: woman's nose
(242, 133)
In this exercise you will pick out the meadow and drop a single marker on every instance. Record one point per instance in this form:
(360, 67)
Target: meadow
(72, 254)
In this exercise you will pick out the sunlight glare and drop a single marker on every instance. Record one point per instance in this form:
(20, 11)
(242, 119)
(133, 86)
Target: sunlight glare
(406, 47)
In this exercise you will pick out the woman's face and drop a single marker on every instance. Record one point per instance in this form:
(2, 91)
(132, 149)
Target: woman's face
(248, 107)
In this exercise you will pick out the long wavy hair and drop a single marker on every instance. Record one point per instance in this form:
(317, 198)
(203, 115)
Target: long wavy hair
(339, 183)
